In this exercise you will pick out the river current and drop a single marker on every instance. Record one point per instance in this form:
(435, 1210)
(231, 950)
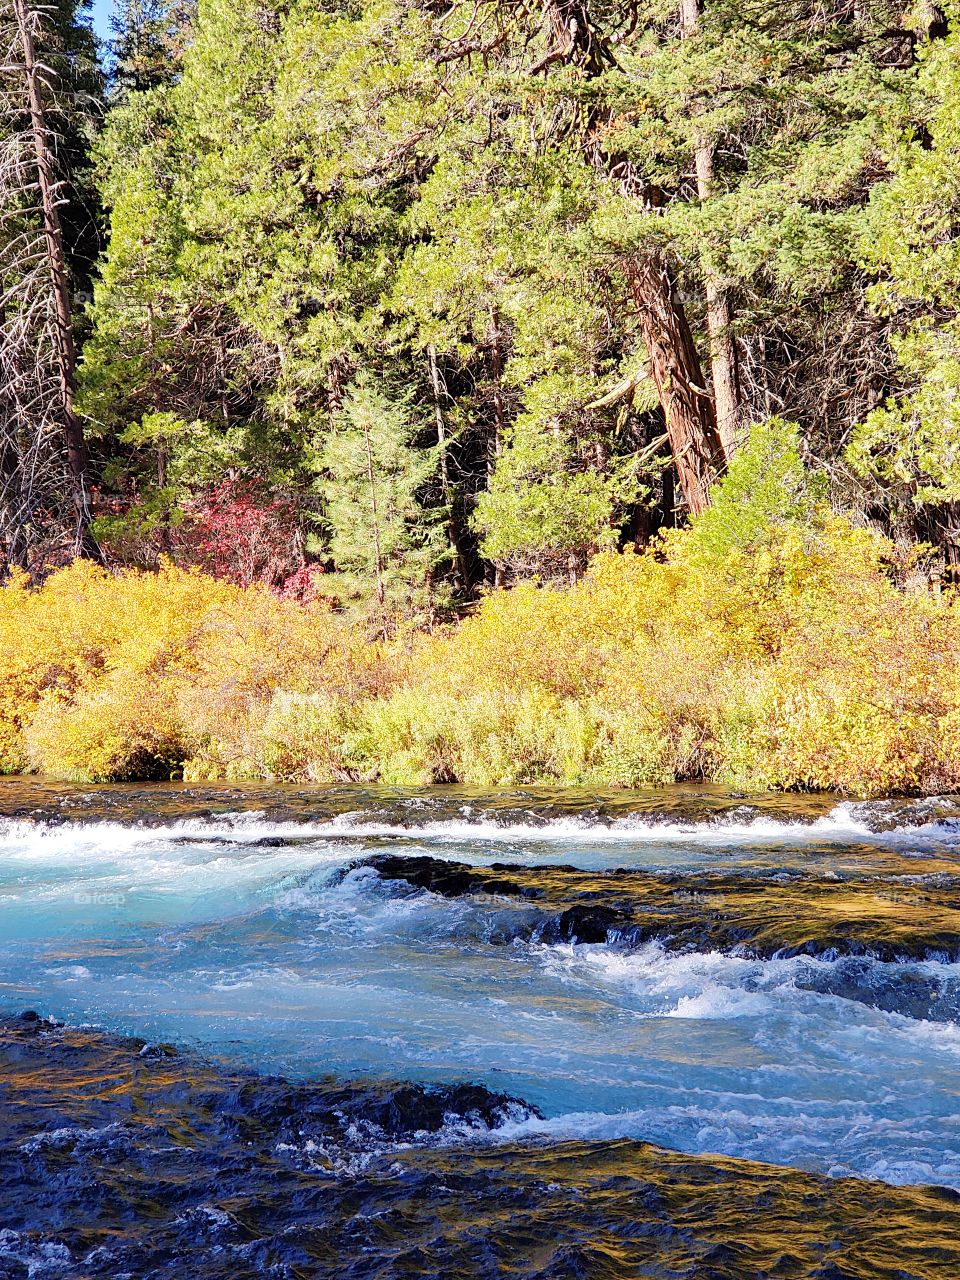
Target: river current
(771, 980)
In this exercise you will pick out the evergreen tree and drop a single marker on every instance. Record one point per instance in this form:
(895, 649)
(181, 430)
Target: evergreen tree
(910, 446)
(150, 39)
(595, 244)
(543, 515)
(385, 544)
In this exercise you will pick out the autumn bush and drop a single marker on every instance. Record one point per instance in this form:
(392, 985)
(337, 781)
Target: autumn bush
(143, 675)
(768, 646)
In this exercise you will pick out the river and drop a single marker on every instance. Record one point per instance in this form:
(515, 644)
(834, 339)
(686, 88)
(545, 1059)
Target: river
(364, 1032)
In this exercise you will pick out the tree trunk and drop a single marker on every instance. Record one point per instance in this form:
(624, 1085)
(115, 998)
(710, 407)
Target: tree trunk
(453, 530)
(495, 444)
(724, 364)
(84, 542)
(724, 370)
(381, 595)
(687, 405)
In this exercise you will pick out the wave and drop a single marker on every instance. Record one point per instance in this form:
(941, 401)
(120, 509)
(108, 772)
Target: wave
(934, 820)
(845, 823)
(337, 1128)
(706, 1132)
(771, 914)
(921, 1000)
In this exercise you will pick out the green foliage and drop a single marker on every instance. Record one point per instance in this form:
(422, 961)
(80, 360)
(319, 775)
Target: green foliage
(129, 356)
(766, 490)
(911, 444)
(151, 37)
(385, 544)
(320, 197)
(545, 512)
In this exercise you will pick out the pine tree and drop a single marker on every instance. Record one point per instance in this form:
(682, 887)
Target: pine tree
(594, 243)
(910, 446)
(150, 39)
(385, 544)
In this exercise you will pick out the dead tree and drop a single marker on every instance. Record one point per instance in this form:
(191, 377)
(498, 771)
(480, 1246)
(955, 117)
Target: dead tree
(43, 455)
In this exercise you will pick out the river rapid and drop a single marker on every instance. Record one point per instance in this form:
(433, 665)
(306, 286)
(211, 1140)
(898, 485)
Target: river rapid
(360, 1032)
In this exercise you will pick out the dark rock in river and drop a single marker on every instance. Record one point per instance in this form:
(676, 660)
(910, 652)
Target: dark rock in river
(760, 915)
(113, 1164)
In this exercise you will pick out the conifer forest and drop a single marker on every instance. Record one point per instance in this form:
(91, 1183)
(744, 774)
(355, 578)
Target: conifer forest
(537, 271)
(571, 392)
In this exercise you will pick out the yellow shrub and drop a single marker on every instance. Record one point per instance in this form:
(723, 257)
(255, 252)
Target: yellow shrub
(121, 730)
(792, 663)
(114, 677)
(302, 738)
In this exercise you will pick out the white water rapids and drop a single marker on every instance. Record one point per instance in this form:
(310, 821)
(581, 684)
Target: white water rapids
(197, 932)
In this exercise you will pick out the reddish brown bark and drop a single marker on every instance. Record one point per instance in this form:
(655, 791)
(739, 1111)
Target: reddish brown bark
(688, 406)
(724, 367)
(675, 367)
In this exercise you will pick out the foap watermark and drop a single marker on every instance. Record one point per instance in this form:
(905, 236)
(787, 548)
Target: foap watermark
(696, 896)
(99, 899)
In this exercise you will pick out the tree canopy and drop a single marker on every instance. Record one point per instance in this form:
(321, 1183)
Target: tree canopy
(542, 271)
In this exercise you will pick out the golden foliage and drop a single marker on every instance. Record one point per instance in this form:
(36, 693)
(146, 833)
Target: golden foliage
(794, 664)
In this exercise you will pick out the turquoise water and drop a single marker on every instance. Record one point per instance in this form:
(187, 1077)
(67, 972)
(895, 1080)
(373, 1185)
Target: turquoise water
(241, 934)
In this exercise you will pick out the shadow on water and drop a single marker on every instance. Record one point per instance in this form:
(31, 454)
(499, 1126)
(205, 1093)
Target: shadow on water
(40, 798)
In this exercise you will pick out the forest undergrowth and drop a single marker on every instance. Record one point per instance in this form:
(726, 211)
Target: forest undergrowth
(772, 644)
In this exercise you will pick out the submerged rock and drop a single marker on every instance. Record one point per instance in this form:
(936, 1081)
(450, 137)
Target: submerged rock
(115, 1164)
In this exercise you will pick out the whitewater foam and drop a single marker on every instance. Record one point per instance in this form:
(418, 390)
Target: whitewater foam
(846, 822)
(706, 985)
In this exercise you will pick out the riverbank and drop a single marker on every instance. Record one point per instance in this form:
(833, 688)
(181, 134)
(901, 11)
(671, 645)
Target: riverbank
(771, 645)
(789, 659)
